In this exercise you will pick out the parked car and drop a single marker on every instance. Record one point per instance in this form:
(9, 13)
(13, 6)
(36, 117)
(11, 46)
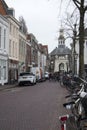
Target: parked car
(46, 75)
(26, 78)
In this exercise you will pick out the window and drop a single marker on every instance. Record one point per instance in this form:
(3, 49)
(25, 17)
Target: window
(4, 38)
(9, 47)
(13, 48)
(13, 30)
(10, 27)
(0, 37)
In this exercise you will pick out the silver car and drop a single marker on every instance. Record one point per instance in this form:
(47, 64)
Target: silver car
(26, 78)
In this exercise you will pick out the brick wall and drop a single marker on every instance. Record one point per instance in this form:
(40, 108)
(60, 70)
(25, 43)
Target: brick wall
(2, 10)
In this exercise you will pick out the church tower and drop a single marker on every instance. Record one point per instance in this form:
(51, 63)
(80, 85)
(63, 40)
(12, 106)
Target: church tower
(61, 39)
(60, 56)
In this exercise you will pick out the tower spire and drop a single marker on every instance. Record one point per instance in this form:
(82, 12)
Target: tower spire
(61, 39)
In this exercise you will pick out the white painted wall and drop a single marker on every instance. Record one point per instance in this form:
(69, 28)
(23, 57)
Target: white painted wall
(85, 54)
(4, 25)
(58, 61)
(13, 38)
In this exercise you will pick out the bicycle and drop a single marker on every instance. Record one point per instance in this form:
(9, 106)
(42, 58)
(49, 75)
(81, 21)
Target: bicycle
(66, 120)
(63, 120)
(77, 108)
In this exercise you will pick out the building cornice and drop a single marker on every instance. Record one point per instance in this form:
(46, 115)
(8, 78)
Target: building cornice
(14, 19)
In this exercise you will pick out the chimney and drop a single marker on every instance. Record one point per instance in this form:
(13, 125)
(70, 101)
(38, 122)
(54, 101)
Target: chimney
(11, 11)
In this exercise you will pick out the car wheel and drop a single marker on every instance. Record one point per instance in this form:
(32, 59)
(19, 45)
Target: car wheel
(20, 84)
(33, 82)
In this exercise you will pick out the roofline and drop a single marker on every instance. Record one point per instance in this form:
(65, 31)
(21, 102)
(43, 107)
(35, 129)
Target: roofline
(5, 6)
(4, 18)
(13, 18)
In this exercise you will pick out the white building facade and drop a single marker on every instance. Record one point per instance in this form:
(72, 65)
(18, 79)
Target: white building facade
(4, 41)
(85, 52)
(60, 56)
(13, 48)
(22, 51)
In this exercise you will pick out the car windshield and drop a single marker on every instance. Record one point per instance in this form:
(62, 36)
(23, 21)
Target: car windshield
(26, 73)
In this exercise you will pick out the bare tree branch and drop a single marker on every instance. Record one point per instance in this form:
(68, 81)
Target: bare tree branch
(77, 3)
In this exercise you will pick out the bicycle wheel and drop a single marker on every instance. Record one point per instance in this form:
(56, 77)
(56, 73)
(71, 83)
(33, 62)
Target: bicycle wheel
(71, 123)
(79, 114)
(81, 125)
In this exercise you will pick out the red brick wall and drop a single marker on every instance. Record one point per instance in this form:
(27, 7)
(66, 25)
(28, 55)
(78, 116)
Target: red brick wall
(2, 10)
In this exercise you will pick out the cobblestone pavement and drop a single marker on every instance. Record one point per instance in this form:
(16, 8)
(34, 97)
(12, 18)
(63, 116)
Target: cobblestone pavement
(35, 107)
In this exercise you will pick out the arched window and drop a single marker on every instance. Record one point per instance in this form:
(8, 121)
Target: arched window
(61, 67)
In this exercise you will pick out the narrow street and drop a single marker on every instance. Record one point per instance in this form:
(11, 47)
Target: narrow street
(35, 107)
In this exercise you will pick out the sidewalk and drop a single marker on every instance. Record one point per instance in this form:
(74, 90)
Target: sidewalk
(2, 87)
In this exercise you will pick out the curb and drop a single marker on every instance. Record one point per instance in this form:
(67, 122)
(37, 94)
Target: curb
(7, 87)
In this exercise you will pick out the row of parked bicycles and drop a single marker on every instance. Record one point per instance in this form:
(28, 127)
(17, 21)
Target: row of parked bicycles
(76, 103)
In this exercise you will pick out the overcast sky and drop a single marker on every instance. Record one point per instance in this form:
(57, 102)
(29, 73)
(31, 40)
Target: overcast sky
(43, 18)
